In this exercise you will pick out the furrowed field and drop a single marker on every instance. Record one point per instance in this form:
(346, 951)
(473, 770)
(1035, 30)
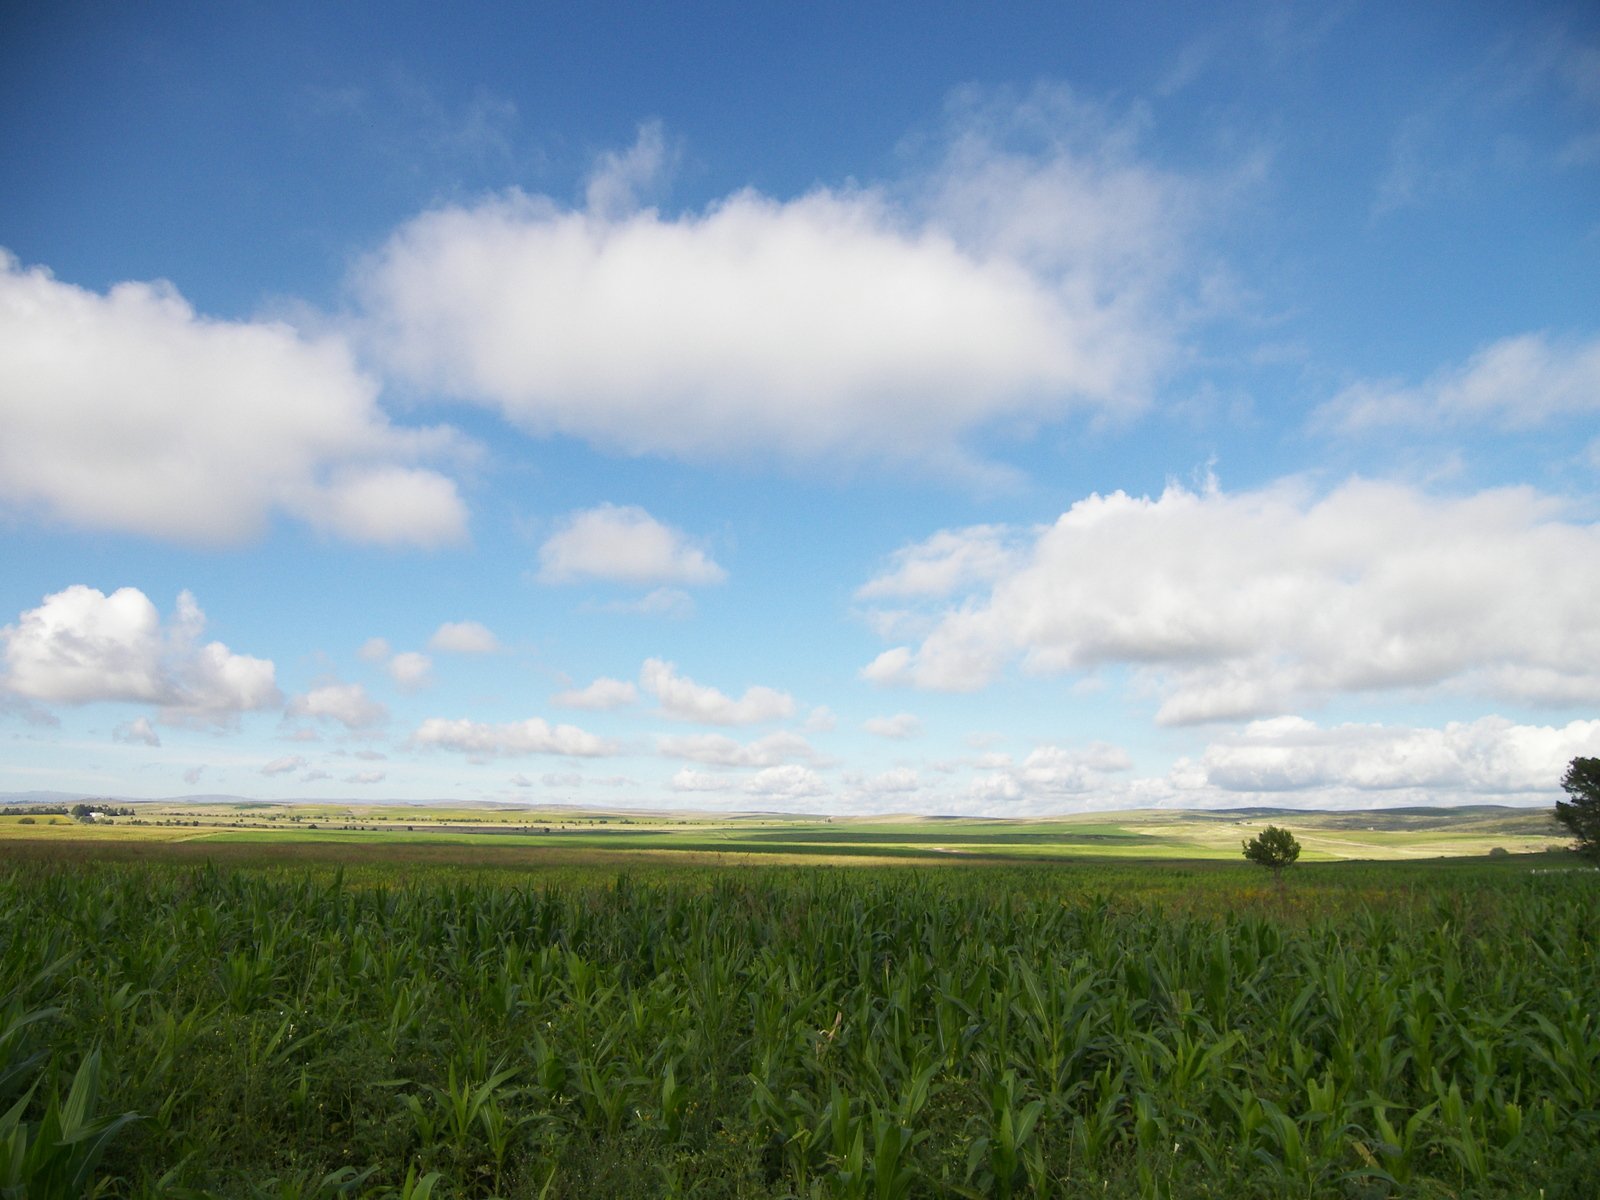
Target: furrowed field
(1148, 1029)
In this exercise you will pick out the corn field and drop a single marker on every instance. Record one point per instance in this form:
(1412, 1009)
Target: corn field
(998, 1032)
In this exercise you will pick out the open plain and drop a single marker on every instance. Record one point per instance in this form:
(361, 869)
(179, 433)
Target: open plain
(254, 1001)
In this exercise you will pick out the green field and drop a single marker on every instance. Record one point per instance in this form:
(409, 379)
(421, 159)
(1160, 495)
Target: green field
(534, 836)
(610, 1009)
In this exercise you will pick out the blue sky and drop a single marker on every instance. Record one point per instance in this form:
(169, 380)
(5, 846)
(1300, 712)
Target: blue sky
(934, 408)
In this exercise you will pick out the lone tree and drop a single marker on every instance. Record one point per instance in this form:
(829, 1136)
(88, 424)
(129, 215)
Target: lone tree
(1273, 848)
(1582, 816)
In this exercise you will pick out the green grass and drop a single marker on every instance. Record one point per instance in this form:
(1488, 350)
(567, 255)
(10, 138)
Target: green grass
(561, 835)
(321, 1017)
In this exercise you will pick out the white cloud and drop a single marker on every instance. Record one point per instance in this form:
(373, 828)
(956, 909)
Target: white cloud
(282, 766)
(389, 505)
(948, 562)
(671, 603)
(602, 695)
(533, 736)
(901, 781)
(683, 698)
(822, 719)
(1056, 769)
(366, 777)
(621, 179)
(623, 544)
(130, 412)
(375, 650)
(463, 637)
(1255, 603)
(689, 780)
(137, 732)
(80, 646)
(1050, 775)
(1491, 759)
(1516, 383)
(346, 703)
(775, 784)
(411, 669)
(720, 750)
(1019, 278)
(786, 783)
(894, 666)
(897, 728)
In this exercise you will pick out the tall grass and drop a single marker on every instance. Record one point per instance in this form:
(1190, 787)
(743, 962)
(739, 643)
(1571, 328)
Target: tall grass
(993, 1032)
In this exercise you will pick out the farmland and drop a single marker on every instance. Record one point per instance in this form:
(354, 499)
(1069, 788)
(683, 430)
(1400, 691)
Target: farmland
(522, 836)
(393, 1013)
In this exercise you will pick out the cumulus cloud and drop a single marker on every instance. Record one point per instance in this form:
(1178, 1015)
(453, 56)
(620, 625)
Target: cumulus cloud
(375, 650)
(389, 505)
(950, 561)
(138, 732)
(690, 780)
(1491, 759)
(1250, 604)
(346, 703)
(683, 698)
(533, 736)
(791, 782)
(282, 766)
(80, 646)
(623, 544)
(720, 750)
(821, 719)
(621, 179)
(130, 412)
(897, 728)
(366, 777)
(775, 784)
(601, 696)
(1018, 277)
(411, 669)
(1057, 769)
(901, 781)
(1516, 383)
(463, 637)
(1053, 778)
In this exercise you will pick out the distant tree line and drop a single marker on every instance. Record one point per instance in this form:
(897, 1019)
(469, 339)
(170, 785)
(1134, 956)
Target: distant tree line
(80, 810)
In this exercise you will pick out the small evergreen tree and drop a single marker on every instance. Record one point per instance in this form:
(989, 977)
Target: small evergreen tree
(1273, 848)
(1582, 815)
